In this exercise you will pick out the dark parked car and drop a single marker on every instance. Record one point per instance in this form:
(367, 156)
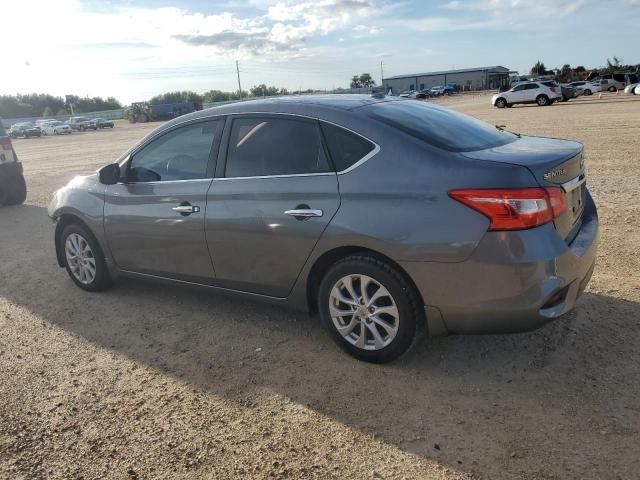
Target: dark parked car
(97, 123)
(13, 189)
(389, 216)
(568, 93)
(25, 130)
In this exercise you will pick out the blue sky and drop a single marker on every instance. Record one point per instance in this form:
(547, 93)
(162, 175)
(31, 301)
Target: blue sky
(135, 49)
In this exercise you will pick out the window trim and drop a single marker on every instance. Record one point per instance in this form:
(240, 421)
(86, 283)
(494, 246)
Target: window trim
(222, 155)
(227, 117)
(221, 170)
(214, 153)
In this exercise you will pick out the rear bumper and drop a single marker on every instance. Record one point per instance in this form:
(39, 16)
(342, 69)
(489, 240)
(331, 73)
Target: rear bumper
(513, 282)
(10, 170)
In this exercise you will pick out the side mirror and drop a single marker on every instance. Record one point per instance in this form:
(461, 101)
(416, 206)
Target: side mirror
(110, 174)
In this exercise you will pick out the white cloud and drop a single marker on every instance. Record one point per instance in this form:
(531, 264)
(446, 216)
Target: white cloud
(519, 8)
(70, 47)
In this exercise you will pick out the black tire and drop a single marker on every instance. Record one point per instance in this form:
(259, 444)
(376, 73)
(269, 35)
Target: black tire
(542, 100)
(509, 105)
(13, 190)
(613, 89)
(407, 301)
(501, 102)
(586, 92)
(101, 280)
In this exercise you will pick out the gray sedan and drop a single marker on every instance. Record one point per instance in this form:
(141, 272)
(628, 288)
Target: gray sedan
(388, 216)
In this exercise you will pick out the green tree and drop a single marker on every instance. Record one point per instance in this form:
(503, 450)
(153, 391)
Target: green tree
(566, 73)
(614, 65)
(366, 80)
(263, 91)
(538, 69)
(178, 97)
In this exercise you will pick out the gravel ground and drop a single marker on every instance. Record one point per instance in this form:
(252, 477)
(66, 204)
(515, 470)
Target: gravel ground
(148, 381)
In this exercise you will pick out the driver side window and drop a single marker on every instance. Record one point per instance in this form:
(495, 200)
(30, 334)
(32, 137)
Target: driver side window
(181, 154)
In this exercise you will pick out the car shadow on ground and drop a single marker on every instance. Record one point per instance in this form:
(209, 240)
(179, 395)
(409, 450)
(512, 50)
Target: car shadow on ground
(463, 401)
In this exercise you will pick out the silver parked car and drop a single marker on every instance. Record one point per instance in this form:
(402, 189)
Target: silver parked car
(386, 215)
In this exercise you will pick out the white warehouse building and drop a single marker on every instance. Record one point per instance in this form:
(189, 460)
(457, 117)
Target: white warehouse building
(480, 78)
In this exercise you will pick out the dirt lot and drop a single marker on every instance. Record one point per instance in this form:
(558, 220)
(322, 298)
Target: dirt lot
(147, 381)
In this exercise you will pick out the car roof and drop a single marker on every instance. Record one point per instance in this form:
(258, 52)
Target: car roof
(314, 105)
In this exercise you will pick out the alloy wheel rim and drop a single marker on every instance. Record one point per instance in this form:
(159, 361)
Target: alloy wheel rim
(80, 258)
(364, 312)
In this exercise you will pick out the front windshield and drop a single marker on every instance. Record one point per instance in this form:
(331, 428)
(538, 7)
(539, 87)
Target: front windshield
(438, 126)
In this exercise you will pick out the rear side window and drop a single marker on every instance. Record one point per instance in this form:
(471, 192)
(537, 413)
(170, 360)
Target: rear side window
(531, 86)
(267, 146)
(346, 148)
(438, 126)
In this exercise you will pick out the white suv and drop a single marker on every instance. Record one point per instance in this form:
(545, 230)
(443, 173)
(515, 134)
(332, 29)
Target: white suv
(526, 92)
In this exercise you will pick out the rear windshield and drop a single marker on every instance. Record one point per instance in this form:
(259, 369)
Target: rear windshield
(439, 126)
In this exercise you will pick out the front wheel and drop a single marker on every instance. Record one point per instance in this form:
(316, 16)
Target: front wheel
(501, 103)
(83, 259)
(586, 92)
(369, 308)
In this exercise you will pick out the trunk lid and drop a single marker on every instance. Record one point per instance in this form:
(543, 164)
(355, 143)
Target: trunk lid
(552, 162)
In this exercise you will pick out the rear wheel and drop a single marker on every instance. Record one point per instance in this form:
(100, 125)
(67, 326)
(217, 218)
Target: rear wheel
(83, 259)
(501, 103)
(613, 89)
(542, 100)
(13, 190)
(586, 92)
(370, 309)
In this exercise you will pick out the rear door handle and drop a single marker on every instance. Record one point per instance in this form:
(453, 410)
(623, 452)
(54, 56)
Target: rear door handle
(186, 209)
(301, 213)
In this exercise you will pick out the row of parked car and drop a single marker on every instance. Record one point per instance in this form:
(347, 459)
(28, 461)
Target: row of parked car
(57, 127)
(437, 91)
(546, 92)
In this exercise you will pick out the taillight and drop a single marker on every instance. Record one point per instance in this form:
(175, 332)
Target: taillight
(5, 146)
(558, 201)
(553, 89)
(514, 209)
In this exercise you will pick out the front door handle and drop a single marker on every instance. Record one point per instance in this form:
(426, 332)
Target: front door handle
(186, 209)
(302, 213)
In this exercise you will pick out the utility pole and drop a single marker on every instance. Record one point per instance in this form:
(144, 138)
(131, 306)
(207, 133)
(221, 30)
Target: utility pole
(381, 75)
(239, 86)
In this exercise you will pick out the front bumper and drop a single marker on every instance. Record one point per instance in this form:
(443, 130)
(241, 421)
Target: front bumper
(513, 282)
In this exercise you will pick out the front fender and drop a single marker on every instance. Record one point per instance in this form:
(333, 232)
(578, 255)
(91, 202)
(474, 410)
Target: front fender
(80, 201)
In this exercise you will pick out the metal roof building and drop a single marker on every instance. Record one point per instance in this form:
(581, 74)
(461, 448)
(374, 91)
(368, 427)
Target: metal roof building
(479, 78)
